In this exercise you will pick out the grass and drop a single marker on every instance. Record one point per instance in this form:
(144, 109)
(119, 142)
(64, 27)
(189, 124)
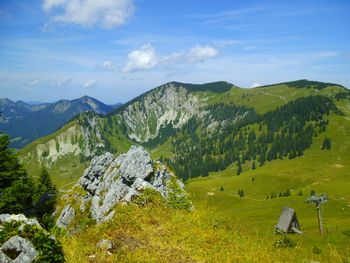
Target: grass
(158, 233)
(323, 171)
(225, 227)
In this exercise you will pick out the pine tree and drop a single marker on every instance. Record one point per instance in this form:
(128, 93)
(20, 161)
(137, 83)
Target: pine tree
(253, 166)
(239, 170)
(327, 144)
(16, 187)
(46, 199)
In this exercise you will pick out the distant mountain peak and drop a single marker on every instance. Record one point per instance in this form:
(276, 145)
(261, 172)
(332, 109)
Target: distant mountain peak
(43, 119)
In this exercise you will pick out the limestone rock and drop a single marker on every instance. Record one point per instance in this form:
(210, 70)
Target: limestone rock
(109, 181)
(170, 104)
(66, 216)
(6, 218)
(137, 163)
(17, 249)
(105, 244)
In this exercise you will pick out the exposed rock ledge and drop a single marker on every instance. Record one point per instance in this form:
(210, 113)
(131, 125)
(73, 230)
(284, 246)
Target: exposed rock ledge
(109, 181)
(23, 248)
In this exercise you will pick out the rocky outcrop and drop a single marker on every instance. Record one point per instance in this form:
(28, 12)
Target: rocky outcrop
(109, 181)
(23, 240)
(169, 104)
(66, 216)
(16, 248)
(7, 218)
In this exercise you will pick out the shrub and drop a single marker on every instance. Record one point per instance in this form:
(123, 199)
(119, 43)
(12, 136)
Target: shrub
(285, 242)
(317, 250)
(177, 197)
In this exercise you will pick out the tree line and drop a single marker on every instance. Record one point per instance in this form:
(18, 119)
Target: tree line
(18, 191)
(237, 134)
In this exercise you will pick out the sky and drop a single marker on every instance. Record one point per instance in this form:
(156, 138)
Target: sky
(114, 50)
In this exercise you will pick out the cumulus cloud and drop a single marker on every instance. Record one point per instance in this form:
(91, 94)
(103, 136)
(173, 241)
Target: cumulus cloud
(88, 13)
(147, 58)
(30, 85)
(90, 83)
(109, 65)
(140, 59)
(201, 53)
(255, 85)
(63, 82)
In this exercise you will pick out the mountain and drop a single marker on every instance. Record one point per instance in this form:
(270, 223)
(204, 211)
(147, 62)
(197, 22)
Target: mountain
(25, 122)
(243, 154)
(211, 113)
(116, 106)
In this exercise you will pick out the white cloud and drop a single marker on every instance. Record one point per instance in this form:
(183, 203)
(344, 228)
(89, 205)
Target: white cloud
(255, 85)
(109, 65)
(90, 83)
(88, 13)
(201, 53)
(144, 58)
(29, 86)
(33, 82)
(63, 82)
(147, 58)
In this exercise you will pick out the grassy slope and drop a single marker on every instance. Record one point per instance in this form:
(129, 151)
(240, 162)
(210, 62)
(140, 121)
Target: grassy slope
(262, 99)
(323, 171)
(226, 228)
(158, 233)
(68, 169)
(64, 172)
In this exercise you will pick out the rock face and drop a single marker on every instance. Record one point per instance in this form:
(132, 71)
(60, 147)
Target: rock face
(66, 216)
(109, 181)
(169, 104)
(16, 248)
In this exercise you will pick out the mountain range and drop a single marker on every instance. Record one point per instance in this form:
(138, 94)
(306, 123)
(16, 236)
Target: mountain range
(25, 122)
(243, 155)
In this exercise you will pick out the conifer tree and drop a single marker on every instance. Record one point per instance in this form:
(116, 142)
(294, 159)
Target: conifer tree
(16, 187)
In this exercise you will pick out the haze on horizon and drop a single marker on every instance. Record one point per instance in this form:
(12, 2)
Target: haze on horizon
(114, 50)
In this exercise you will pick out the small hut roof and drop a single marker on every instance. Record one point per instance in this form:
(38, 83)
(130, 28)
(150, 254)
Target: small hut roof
(287, 220)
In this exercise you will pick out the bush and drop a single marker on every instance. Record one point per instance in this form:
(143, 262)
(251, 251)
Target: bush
(177, 197)
(285, 242)
(317, 250)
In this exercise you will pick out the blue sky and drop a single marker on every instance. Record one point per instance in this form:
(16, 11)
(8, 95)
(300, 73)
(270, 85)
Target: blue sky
(116, 49)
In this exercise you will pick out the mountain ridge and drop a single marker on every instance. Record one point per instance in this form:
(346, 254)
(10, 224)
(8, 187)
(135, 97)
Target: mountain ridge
(150, 120)
(25, 122)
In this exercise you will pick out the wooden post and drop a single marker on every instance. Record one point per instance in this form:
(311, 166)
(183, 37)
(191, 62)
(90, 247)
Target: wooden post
(318, 208)
(318, 200)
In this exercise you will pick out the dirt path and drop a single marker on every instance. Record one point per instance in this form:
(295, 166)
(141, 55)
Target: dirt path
(275, 95)
(61, 189)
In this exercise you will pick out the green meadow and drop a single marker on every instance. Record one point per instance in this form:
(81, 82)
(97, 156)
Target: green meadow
(325, 171)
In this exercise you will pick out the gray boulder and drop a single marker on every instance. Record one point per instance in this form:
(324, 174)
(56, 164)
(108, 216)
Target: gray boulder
(137, 163)
(17, 249)
(105, 244)
(109, 181)
(66, 216)
(6, 218)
